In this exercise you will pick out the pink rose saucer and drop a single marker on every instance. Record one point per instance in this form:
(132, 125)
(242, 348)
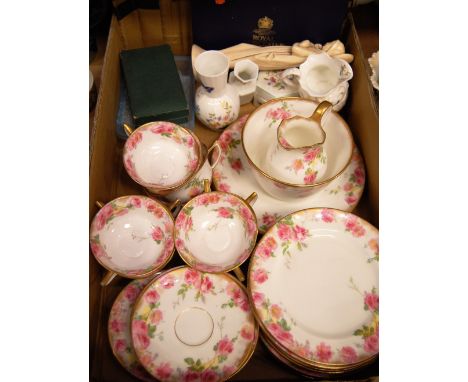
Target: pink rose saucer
(193, 326)
(234, 174)
(118, 327)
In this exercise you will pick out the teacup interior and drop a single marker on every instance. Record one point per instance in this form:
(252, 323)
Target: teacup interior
(322, 78)
(302, 133)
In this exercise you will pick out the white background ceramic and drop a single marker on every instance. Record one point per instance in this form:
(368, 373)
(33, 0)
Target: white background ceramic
(189, 324)
(315, 273)
(161, 155)
(233, 174)
(244, 79)
(132, 236)
(260, 134)
(321, 78)
(216, 101)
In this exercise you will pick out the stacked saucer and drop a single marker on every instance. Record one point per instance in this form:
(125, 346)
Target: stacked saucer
(313, 282)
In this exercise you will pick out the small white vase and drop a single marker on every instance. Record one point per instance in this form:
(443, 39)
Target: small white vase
(216, 102)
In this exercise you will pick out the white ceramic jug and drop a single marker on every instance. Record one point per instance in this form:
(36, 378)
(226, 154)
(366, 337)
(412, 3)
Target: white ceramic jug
(321, 78)
(216, 101)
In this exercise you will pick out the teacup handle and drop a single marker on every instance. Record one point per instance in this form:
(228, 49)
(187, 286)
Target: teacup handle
(206, 186)
(108, 277)
(173, 206)
(291, 72)
(128, 130)
(213, 146)
(252, 198)
(239, 274)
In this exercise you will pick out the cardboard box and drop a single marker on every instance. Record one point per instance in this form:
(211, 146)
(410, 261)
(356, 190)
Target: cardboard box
(109, 180)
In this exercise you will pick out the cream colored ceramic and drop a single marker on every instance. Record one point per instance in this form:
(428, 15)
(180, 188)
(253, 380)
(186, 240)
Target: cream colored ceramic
(118, 327)
(298, 156)
(314, 280)
(193, 326)
(216, 231)
(132, 236)
(374, 64)
(216, 101)
(233, 174)
(321, 78)
(260, 134)
(161, 156)
(194, 185)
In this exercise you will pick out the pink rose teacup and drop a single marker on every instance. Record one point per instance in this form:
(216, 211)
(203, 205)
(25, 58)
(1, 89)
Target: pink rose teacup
(216, 231)
(132, 236)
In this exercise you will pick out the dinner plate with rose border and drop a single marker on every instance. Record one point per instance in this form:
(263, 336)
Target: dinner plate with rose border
(313, 279)
(233, 174)
(118, 328)
(133, 236)
(190, 325)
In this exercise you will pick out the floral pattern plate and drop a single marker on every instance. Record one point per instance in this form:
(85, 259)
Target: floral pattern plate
(132, 236)
(120, 337)
(313, 279)
(215, 232)
(233, 174)
(193, 326)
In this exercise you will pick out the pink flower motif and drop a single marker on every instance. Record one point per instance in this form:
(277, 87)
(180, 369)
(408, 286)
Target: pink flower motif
(141, 340)
(225, 346)
(351, 199)
(181, 220)
(284, 232)
(223, 212)
(360, 176)
(280, 334)
(156, 316)
(352, 224)
(247, 332)
(258, 298)
(323, 352)
(164, 370)
(190, 376)
(268, 219)
(139, 327)
(224, 187)
(151, 296)
(192, 277)
(310, 178)
(348, 186)
(193, 163)
(134, 139)
(117, 326)
(209, 375)
(233, 291)
(168, 226)
(194, 191)
(371, 343)
(167, 282)
(251, 227)
(104, 214)
(260, 276)
(278, 113)
(270, 242)
(374, 245)
(163, 128)
(371, 300)
(348, 354)
(264, 251)
(244, 304)
(206, 285)
(131, 292)
(120, 345)
(153, 208)
(312, 154)
(135, 202)
(157, 234)
(245, 213)
(190, 141)
(303, 350)
(236, 165)
(97, 250)
(206, 199)
(180, 244)
(327, 215)
(276, 311)
(300, 233)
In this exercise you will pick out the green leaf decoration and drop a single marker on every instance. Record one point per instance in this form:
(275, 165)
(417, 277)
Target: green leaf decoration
(189, 361)
(151, 330)
(358, 332)
(284, 324)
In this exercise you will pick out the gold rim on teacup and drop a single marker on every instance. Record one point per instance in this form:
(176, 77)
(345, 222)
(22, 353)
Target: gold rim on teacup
(111, 274)
(317, 365)
(159, 190)
(235, 268)
(294, 185)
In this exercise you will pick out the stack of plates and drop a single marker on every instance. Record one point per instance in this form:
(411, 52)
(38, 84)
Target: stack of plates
(313, 282)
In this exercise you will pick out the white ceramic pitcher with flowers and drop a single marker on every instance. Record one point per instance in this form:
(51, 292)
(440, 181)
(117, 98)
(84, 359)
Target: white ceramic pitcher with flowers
(321, 78)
